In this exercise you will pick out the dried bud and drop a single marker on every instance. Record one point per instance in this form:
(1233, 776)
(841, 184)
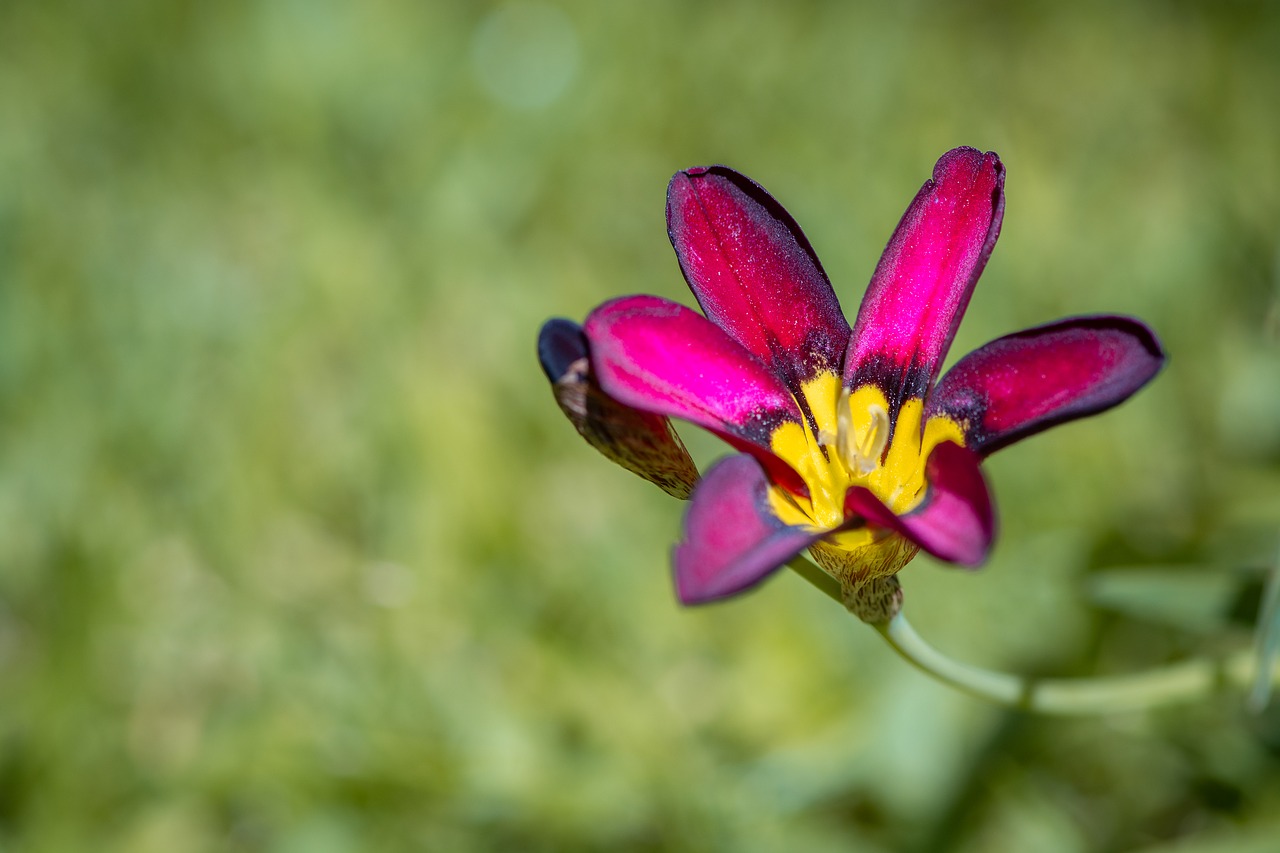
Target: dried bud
(643, 443)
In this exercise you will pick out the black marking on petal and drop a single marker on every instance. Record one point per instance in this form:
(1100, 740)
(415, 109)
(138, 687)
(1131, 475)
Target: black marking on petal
(897, 382)
(760, 427)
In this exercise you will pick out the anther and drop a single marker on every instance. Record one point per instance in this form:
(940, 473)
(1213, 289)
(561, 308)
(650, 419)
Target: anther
(877, 434)
(844, 429)
(861, 458)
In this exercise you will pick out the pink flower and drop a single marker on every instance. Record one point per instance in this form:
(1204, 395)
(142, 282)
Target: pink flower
(849, 443)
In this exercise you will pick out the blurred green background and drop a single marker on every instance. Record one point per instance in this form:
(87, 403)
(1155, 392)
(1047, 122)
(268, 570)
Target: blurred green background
(298, 554)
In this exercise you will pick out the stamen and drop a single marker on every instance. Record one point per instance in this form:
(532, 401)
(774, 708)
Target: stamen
(844, 429)
(861, 458)
(877, 434)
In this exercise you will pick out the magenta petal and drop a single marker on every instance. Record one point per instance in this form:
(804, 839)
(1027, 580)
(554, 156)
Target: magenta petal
(925, 277)
(661, 357)
(732, 540)
(754, 273)
(955, 522)
(1025, 382)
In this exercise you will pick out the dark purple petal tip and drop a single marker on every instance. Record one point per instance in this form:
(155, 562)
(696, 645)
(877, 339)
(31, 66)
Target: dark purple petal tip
(560, 343)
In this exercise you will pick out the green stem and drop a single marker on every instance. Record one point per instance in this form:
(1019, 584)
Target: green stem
(807, 569)
(1180, 682)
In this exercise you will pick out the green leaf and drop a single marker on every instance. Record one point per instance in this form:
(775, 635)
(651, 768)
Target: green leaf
(1268, 640)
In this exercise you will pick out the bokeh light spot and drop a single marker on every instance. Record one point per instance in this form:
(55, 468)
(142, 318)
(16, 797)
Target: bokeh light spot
(525, 54)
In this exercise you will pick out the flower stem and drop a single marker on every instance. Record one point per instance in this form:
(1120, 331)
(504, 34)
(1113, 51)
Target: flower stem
(807, 569)
(1180, 682)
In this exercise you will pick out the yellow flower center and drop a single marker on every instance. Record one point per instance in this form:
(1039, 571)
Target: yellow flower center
(850, 447)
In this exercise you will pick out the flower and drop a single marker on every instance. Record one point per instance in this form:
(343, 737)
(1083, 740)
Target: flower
(850, 445)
